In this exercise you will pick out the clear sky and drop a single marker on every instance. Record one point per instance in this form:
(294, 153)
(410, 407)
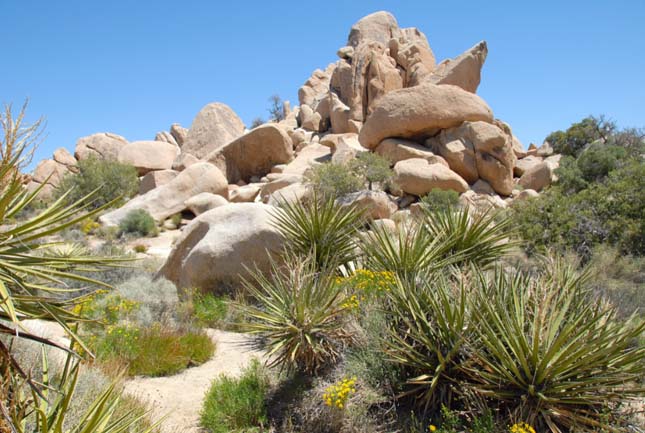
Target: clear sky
(135, 67)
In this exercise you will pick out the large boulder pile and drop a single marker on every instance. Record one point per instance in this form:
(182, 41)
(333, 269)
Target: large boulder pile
(385, 94)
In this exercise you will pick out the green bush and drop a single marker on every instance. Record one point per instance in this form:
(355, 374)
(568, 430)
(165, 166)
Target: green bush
(237, 405)
(111, 178)
(372, 168)
(138, 221)
(440, 200)
(334, 180)
(208, 309)
(611, 212)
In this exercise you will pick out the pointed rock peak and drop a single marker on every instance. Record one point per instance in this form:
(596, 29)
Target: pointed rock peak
(379, 27)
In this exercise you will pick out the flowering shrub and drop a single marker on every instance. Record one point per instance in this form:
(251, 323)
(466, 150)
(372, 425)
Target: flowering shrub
(363, 285)
(336, 395)
(89, 226)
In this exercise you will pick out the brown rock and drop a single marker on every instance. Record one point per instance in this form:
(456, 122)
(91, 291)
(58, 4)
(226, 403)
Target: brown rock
(525, 164)
(62, 156)
(219, 247)
(417, 177)
(463, 71)
(309, 120)
(537, 177)
(155, 179)
(245, 194)
(179, 133)
(421, 110)
(378, 27)
(399, 149)
(309, 156)
(254, 153)
(375, 204)
(168, 199)
(103, 145)
(215, 126)
(203, 202)
(148, 156)
(50, 171)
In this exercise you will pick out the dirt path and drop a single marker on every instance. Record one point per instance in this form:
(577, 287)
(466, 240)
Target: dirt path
(181, 395)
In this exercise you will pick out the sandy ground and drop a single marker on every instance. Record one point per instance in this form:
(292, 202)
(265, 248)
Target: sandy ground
(180, 396)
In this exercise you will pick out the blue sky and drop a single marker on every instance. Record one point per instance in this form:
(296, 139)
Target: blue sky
(135, 67)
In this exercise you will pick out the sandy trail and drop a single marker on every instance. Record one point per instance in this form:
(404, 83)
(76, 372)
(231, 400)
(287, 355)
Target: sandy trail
(181, 395)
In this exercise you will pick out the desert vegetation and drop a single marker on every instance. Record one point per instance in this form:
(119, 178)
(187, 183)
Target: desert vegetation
(384, 257)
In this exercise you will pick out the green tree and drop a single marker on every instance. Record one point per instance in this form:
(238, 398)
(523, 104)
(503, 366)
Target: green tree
(373, 168)
(110, 179)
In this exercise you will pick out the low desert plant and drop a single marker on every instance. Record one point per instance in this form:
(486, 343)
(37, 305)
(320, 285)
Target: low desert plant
(138, 222)
(153, 351)
(299, 313)
(208, 309)
(321, 228)
(440, 200)
(237, 405)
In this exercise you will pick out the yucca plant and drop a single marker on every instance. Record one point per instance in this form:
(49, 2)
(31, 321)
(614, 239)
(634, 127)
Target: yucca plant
(321, 228)
(550, 354)
(301, 314)
(46, 411)
(34, 276)
(470, 237)
(432, 325)
(406, 253)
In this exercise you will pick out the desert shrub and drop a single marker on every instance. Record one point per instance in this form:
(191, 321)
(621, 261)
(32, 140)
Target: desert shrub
(111, 179)
(156, 300)
(138, 222)
(237, 405)
(372, 168)
(610, 212)
(550, 355)
(300, 314)
(89, 226)
(334, 180)
(321, 228)
(619, 279)
(440, 200)
(153, 351)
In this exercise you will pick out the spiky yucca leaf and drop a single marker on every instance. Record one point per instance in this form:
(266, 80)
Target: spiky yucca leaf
(300, 312)
(407, 252)
(551, 354)
(431, 326)
(477, 238)
(46, 412)
(319, 227)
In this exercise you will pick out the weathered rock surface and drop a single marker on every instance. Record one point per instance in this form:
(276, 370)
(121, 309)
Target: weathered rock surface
(155, 179)
(308, 157)
(374, 204)
(62, 156)
(169, 199)
(463, 71)
(525, 164)
(179, 133)
(214, 126)
(245, 194)
(148, 156)
(50, 171)
(537, 177)
(254, 153)
(378, 27)
(416, 176)
(420, 111)
(103, 145)
(203, 202)
(399, 149)
(216, 248)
